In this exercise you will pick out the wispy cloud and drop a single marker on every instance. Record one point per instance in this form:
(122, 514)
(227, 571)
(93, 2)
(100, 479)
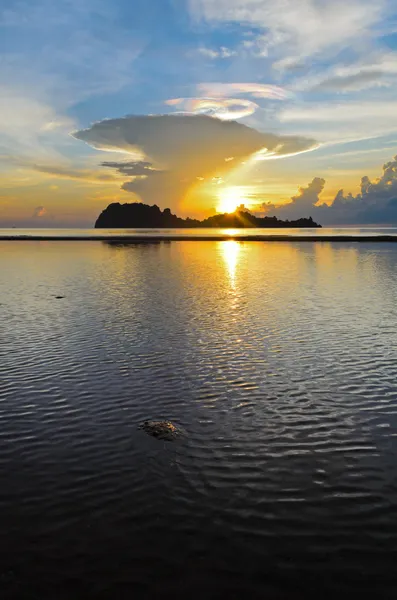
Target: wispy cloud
(213, 54)
(57, 171)
(344, 111)
(87, 55)
(58, 54)
(91, 176)
(351, 83)
(132, 168)
(256, 90)
(28, 127)
(341, 121)
(298, 28)
(375, 69)
(223, 108)
(217, 99)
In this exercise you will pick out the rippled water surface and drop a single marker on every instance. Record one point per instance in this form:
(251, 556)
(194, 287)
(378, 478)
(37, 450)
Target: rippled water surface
(200, 232)
(279, 361)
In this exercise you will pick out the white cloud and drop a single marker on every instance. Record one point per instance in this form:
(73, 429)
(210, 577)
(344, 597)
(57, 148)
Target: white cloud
(376, 69)
(256, 90)
(339, 112)
(208, 53)
(29, 126)
(351, 83)
(211, 53)
(227, 52)
(298, 28)
(226, 109)
(58, 54)
(71, 50)
(216, 101)
(341, 121)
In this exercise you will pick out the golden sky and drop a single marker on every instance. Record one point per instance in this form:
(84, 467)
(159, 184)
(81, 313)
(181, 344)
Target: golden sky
(207, 106)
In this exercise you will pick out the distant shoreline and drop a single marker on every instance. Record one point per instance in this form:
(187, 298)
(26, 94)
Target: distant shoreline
(136, 239)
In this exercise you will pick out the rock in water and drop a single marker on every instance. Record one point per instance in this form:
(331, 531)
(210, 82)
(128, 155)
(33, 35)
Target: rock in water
(162, 430)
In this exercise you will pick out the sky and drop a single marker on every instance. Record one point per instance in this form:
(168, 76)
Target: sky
(286, 107)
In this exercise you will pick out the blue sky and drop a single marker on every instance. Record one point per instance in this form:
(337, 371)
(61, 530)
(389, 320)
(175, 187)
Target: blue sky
(322, 73)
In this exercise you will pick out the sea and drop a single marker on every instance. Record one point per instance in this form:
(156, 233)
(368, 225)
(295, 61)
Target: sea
(277, 361)
(198, 232)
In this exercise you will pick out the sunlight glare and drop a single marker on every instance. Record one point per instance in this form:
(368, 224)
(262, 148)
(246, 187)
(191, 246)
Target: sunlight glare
(231, 251)
(229, 199)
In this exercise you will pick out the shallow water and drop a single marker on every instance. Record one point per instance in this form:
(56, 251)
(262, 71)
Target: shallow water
(202, 232)
(280, 363)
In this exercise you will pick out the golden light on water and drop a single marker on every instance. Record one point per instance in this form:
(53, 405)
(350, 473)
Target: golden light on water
(229, 199)
(230, 251)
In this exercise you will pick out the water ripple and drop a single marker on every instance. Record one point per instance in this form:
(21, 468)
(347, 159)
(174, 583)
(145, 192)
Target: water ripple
(279, 361)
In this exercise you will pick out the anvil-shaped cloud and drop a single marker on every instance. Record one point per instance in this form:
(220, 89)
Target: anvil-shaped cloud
(180, 149)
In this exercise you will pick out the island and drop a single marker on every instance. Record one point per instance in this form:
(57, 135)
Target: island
(137, 215)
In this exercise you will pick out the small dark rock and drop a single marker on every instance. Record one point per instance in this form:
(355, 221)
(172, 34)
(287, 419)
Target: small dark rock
(162, 430)
(59, 297)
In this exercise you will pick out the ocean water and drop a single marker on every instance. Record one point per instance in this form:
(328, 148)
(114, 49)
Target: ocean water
(280, 363)
(200, 232)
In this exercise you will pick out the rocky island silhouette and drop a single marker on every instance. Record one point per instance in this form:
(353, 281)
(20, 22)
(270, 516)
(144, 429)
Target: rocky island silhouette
(138, 215)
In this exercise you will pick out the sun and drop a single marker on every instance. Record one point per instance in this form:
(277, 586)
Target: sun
(229, 199)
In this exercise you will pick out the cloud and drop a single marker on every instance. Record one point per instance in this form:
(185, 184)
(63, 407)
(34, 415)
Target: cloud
(39, 211)
(309, 196)
(28, 126)
(57, 55)
(226, 109)
(298, 28)
(256, 90)
(208, 53)
(212, 54)
(301, 205)
(78, 174)
(375, 69)
(132, 168)
(346, 111)
(375, 204)
(351, 83)
(182, 148)
(216, 100)
(88, 54)
(227, 52)
(341, 121)
(174, 101)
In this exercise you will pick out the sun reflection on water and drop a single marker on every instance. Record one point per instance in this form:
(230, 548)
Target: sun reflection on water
(230, 251)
